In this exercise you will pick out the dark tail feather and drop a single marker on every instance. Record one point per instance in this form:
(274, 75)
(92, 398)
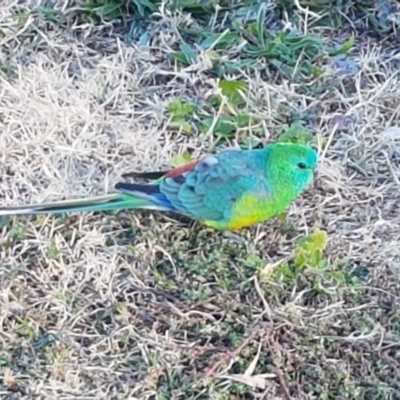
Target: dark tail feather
(145, 175)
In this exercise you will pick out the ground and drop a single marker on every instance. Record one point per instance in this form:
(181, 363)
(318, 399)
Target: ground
(145, 305)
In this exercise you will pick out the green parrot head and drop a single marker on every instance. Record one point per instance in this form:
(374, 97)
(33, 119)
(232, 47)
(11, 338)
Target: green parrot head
(292, 164)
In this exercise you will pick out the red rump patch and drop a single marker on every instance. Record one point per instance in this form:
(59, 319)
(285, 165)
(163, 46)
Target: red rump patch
(181, 170)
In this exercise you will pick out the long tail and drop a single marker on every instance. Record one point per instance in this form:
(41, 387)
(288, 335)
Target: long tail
(106, 202)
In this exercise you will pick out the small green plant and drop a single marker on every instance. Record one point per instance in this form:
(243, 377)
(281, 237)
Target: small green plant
(17, 232)
(234, 90)
(181, 109)
(311, 264)
(182, 115)
(308, 255)
(296, 133)
(310, 251)
(181, 159)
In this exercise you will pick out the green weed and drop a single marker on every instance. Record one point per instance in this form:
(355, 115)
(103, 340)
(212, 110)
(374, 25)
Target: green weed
(296, 133)
(310, 264)
(18, 232)
(182, 115)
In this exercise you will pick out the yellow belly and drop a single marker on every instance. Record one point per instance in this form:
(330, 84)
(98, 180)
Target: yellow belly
(235, 224)
(249, 210)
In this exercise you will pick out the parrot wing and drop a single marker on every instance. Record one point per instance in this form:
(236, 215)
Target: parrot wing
(206, 189)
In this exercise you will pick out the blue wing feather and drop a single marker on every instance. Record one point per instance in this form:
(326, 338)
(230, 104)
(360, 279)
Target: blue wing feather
(210, 188)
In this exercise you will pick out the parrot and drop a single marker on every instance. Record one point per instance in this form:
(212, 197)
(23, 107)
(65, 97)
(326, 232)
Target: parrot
(227, 191)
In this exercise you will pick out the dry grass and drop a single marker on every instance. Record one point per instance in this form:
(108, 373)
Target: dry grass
(138, 305)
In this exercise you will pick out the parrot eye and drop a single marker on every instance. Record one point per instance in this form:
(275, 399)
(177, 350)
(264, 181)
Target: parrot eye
(302, 165)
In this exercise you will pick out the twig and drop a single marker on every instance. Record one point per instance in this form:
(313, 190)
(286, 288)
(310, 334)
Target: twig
(281, 380)
(235, 353)
(279, 374)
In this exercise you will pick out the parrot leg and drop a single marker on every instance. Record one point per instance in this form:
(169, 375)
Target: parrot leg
(234, 238)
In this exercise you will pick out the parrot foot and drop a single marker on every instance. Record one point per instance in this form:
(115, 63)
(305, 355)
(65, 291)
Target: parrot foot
(234, 238)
